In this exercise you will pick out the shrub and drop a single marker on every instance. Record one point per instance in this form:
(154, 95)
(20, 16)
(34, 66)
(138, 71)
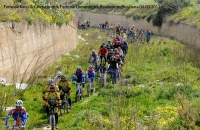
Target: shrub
(149, 18)
(167, 8)
(158, 20)
(144, 16)
(31, 15)
(171, 21)
(79, 2)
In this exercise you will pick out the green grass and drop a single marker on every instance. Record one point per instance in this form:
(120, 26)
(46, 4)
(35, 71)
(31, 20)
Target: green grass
(152, 72)
(60, 16)
(118, 2)
(189, 15)
(35, 14)
(32, 96)
(135, 12)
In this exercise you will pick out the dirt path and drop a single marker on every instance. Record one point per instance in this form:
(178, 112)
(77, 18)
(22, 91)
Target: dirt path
(89, 98)
(45, 128)
(86, 100)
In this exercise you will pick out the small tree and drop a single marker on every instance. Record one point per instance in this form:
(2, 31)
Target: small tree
(167, 8)
(159, 1)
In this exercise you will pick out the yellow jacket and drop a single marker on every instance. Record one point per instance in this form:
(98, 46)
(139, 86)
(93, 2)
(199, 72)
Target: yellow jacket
(47, 89)
(114, 26)
(64, 86)
(121, 33)
(52, 96)
(134, 30)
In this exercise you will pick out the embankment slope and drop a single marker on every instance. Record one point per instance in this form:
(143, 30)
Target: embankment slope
(27, 49)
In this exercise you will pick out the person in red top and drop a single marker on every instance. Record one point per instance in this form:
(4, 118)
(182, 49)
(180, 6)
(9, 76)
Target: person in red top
(116, 52)
(103, 52)
(79, 25)
(118, 29)
(117, 44)
(117, 38)
(132, 28)
(114, 42)
(106, 23)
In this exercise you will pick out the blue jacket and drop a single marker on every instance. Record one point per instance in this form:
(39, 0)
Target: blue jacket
(80, 77)
(95, 58)
(21, 114)
(90, 74)
(148, 33)
(125, 44)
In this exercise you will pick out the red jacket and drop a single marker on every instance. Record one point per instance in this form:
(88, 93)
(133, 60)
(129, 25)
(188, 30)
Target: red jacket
(103, 51)
(114, 42)
(118, 39)
(116, 53)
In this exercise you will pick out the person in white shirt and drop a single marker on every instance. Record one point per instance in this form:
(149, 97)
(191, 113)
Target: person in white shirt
(57, 78)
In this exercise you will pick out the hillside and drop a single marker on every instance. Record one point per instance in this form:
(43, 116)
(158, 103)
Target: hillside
(188, 12)
(158, 83)
(185, 11)
(32, 11)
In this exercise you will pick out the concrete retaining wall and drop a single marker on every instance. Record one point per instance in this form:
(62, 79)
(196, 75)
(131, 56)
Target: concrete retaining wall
(27, 49)
(186, 33)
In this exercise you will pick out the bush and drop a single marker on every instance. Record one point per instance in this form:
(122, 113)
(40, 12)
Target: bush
(149, 18)
(158, 20)
(144, 16)
(137, 17)
(167, 8)
(79, 2)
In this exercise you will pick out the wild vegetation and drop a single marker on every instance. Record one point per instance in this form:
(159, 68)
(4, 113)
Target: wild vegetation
(168, 8)
(186, 11)
(110, 2)
(21, 12)
(159, 89)
(189, 15)
(135, 12)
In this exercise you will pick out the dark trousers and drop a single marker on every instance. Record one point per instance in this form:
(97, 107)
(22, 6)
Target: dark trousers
(56, 115)
(103, 56)
(69, 99)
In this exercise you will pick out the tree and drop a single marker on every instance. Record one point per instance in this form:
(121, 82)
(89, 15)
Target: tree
(167, 8)
(159, 1)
